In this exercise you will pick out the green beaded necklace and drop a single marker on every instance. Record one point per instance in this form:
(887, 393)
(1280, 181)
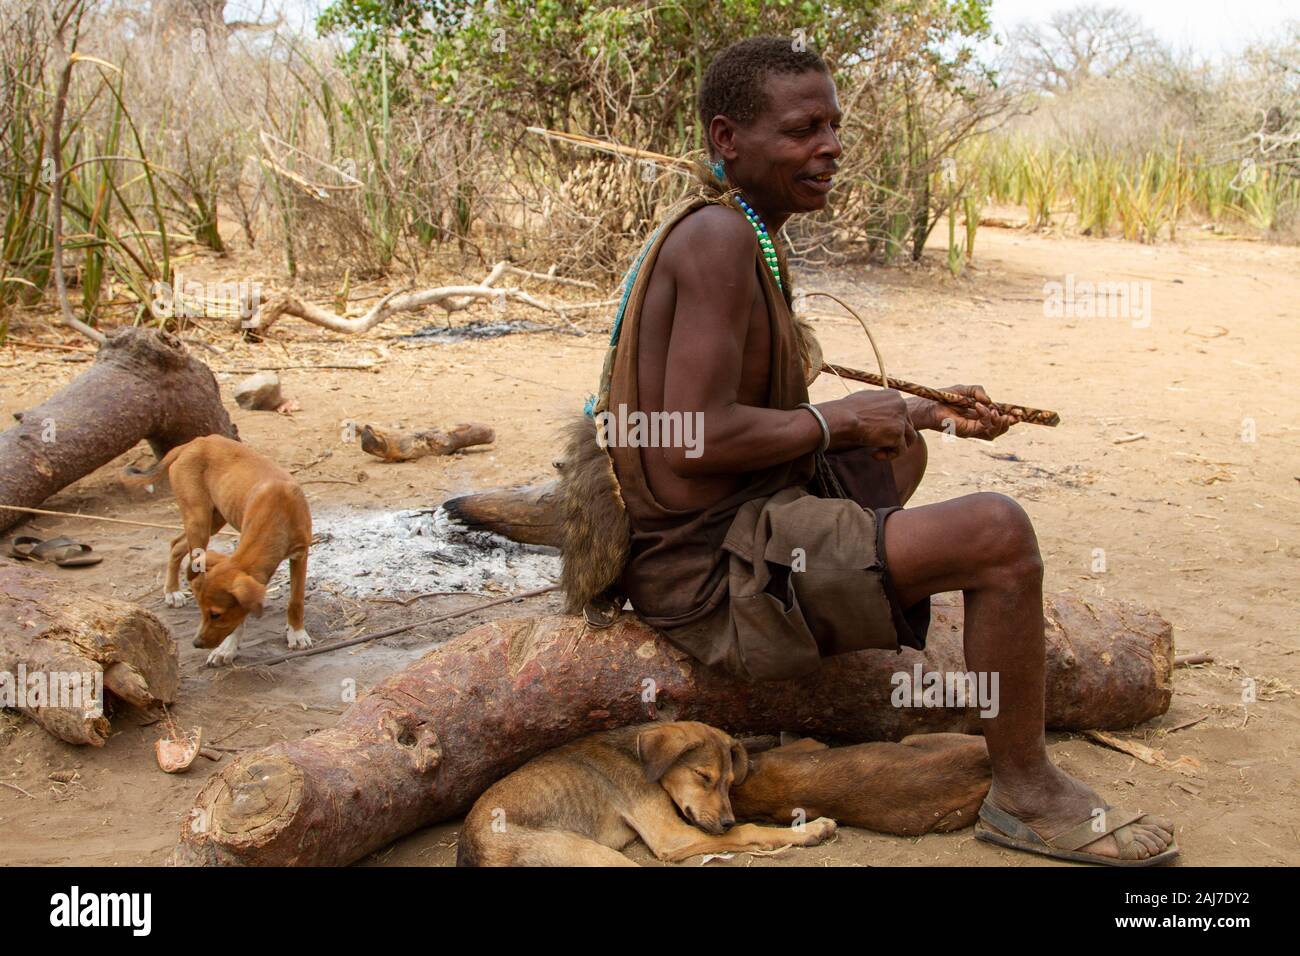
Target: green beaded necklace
(764, 240)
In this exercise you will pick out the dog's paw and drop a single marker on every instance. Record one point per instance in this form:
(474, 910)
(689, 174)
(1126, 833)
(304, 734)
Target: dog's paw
(298, 639)
(174, 598)
(224, 653)
(818, 831)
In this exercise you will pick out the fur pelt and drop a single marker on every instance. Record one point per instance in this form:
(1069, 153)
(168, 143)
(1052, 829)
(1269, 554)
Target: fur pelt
(595, 530)
(810, 350)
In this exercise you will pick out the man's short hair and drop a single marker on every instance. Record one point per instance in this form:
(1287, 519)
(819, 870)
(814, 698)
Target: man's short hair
(733, 83)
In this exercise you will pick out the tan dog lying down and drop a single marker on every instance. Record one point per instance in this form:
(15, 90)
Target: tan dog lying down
(926, 783)
(681, 786)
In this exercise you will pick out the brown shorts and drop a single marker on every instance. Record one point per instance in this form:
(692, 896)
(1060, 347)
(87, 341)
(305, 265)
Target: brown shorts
(808, 579)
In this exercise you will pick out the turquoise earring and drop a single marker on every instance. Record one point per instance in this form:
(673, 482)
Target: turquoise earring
(719, 171)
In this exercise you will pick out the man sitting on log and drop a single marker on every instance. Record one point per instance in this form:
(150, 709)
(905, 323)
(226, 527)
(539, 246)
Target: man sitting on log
(765, 532)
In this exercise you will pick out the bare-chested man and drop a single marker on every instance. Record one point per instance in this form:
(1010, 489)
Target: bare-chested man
(706, 327)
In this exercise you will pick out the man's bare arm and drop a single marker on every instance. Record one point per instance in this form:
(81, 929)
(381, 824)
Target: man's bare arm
(710, 257)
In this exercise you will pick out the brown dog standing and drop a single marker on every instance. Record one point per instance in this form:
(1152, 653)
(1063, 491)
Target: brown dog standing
(579, 804)
(216, 482)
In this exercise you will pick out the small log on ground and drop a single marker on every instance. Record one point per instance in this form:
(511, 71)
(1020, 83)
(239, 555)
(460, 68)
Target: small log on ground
(525, 514)
(144, 384)
(61, 637)
(403, 446)
(427, 741)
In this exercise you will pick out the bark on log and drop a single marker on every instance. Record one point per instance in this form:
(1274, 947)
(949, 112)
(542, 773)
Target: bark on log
(525, 514)
(144, 384)
(424, 743)
(51, 627)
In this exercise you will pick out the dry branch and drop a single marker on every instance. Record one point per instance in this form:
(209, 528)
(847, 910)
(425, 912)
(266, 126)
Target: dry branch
(452, 298)
(66, 58)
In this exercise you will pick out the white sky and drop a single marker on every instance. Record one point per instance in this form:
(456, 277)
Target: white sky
(1210, 28)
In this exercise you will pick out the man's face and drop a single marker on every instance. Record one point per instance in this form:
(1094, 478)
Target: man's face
(783, 159)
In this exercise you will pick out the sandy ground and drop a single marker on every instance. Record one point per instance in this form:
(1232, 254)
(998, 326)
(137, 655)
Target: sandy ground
(1192, 519)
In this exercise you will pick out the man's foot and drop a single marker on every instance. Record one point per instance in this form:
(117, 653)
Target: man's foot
(1058, 804)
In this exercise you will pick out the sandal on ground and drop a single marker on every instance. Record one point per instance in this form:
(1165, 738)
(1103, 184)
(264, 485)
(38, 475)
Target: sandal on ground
(61, 551)
(1000, 827)
(20, 547)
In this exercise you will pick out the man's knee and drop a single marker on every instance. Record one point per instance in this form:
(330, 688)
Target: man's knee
(1007, 544)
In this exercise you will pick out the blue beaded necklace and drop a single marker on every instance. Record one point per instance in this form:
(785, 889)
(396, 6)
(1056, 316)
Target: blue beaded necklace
(764, 240)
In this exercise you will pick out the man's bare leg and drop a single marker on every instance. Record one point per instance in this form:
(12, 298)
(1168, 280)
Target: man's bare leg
(984, 546)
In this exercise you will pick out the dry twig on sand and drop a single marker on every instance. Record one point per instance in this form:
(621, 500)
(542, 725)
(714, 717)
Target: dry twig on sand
(1188, 766)
(452, 298)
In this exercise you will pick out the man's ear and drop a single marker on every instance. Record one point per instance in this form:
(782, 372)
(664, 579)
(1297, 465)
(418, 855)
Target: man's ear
(722, 133)
(249, 593)
(658, 748)
(739, 762)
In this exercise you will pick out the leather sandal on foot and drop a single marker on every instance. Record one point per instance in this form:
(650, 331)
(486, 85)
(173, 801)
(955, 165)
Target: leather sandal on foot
(1000, 827)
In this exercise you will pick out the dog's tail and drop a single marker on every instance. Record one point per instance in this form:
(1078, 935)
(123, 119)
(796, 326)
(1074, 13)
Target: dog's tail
(134, 478)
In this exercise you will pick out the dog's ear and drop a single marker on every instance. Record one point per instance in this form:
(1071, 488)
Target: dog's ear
(739, 762)
(249, 593)
(196, 569)
(658, 748)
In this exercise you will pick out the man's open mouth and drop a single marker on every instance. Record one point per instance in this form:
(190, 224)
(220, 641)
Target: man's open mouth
(821, 182)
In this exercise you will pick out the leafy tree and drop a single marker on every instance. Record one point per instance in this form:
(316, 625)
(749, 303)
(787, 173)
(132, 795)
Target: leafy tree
(909, 77)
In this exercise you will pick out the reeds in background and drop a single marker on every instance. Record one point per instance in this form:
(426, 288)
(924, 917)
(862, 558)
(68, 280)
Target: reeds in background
(391, 144)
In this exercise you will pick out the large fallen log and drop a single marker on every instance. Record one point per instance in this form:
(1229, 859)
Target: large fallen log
(144, 384)
(71, 646)
(424, 743)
